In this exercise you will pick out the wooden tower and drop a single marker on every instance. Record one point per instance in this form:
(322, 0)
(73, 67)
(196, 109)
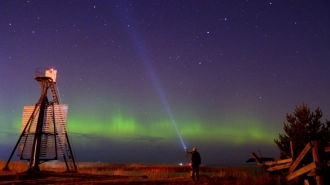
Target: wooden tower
(43, 131)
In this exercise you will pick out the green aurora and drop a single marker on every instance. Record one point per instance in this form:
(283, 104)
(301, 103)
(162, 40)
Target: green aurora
(120, 126)
(235, 131)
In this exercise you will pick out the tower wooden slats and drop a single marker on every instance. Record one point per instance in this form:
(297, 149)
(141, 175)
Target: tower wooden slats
(48, 141)
(43, 129)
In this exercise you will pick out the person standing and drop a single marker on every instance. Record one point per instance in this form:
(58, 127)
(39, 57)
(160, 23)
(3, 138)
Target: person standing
(195, 162)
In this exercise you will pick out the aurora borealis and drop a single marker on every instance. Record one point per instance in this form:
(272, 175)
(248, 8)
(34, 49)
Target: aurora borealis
(224, 72)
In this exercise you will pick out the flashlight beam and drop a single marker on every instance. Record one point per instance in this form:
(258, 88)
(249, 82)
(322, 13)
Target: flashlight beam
(142, 52)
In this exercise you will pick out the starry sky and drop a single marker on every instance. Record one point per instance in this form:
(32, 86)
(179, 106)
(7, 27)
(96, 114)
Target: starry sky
(145, 79)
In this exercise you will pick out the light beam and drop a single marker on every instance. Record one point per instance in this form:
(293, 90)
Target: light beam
(138, 44)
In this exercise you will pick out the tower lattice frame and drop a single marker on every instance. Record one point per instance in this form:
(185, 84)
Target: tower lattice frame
(43, 132)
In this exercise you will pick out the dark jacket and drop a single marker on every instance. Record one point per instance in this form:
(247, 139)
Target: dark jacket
(195, 158)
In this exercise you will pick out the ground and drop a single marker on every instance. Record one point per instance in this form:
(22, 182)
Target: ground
(84, 178)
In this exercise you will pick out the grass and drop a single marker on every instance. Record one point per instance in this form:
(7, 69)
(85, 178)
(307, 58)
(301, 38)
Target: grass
(108, 173)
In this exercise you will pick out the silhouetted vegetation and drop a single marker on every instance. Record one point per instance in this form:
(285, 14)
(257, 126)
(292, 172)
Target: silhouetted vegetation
(302, 127)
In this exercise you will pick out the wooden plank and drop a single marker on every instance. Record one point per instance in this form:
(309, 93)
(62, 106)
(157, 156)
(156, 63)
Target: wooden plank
(271, 163)
(279, 167)
(319, 180)
(317, 155)
(257, 159)
(312, 173)
(318, 159)
(299, 158)
(292, 147)
(306, 182)
(301, 171)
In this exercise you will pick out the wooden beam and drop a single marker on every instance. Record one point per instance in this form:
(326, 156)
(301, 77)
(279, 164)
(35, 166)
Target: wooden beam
(279, 167)
(271, 163)
(318, 159)
(327, 149)
(257, 159)
(301, 171)
(292, 147)
(299, 158)
(312, 173)
(306, 182)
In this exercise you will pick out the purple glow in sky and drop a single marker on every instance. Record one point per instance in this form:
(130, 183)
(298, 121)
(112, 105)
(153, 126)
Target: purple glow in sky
(224, 72)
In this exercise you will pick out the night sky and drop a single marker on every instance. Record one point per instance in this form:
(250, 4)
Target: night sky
(138, 75)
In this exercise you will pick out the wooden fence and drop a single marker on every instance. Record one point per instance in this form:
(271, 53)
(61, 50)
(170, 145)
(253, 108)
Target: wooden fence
(293, 167)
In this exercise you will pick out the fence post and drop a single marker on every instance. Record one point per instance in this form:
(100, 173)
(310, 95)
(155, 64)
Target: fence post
(292, 147)
(318, 159)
